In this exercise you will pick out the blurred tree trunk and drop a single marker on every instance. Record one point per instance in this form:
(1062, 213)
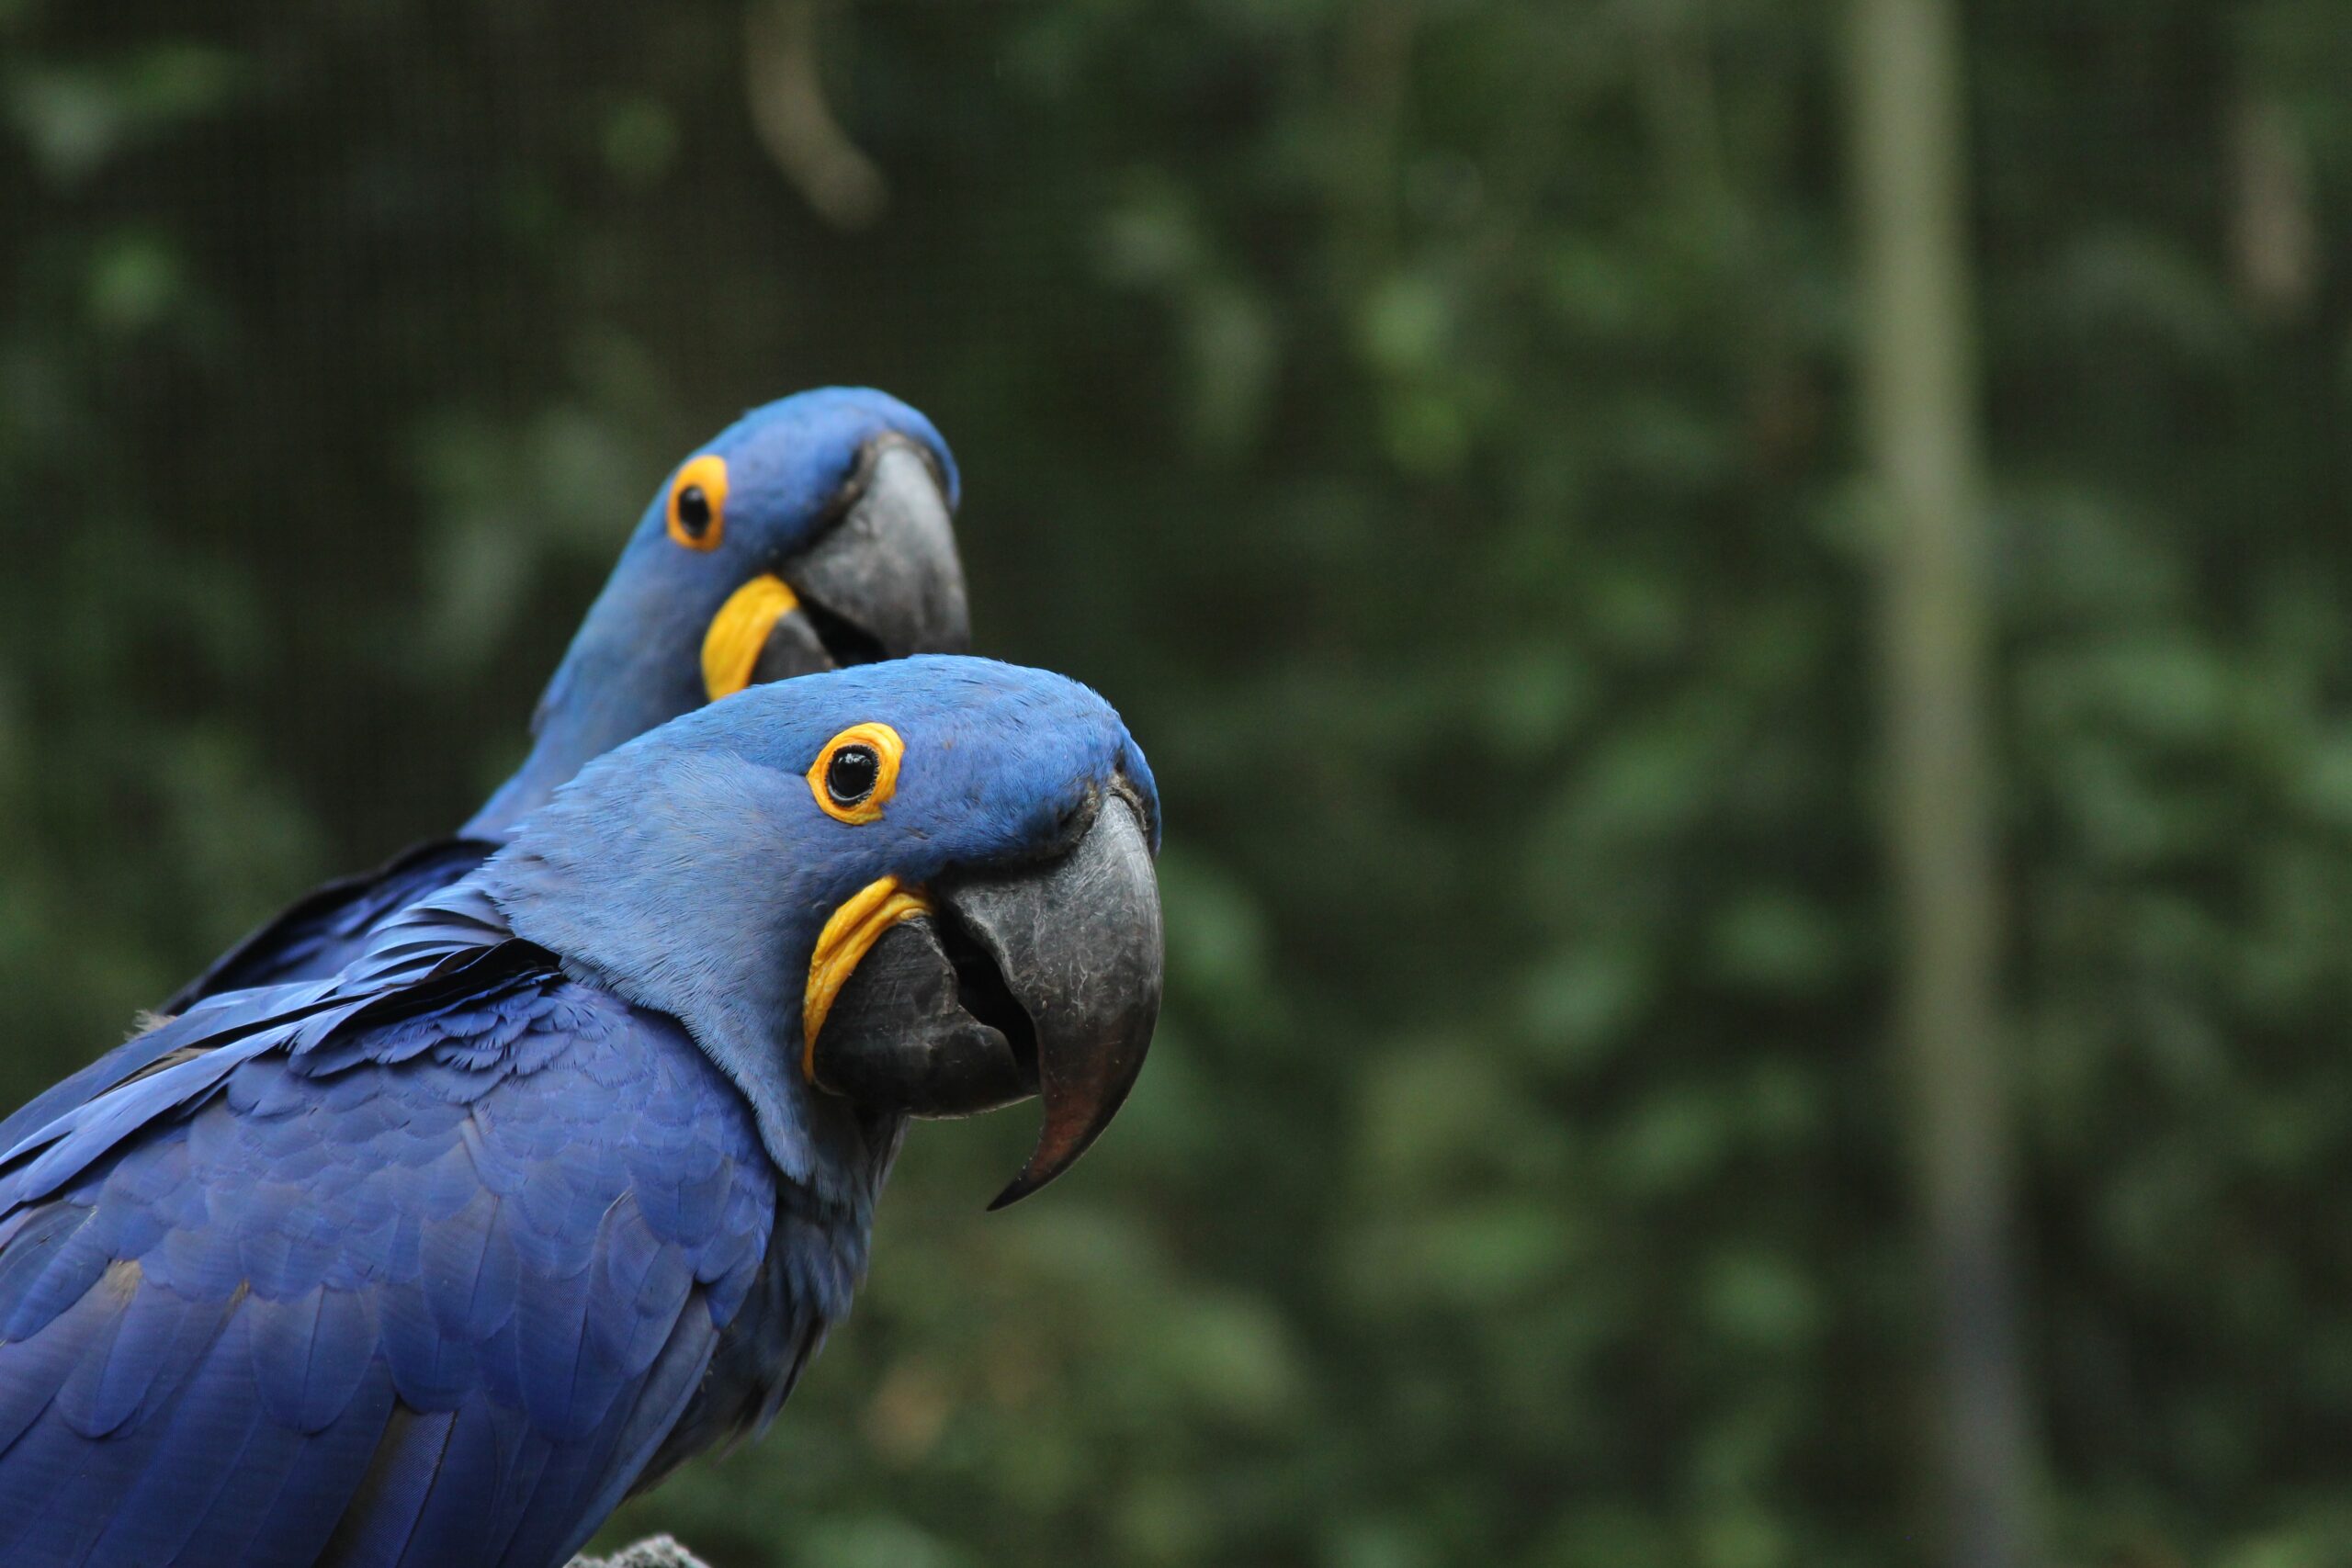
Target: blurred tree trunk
(1918, 390)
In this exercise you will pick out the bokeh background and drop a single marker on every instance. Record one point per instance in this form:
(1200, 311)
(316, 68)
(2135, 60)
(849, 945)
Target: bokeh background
(1434, 423)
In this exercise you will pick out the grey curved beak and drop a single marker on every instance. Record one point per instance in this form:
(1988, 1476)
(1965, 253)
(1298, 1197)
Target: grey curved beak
(884, 581)
(1044, 979)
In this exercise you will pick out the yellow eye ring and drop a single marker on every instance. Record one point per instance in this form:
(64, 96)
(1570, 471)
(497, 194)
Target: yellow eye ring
(698, 503)
(857, 773)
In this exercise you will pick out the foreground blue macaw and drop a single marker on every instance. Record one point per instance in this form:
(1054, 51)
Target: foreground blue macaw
(813, 532)
(563, 1180)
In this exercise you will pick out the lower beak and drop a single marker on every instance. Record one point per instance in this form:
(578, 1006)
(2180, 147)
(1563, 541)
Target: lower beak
(882, 582)
(1044, 980)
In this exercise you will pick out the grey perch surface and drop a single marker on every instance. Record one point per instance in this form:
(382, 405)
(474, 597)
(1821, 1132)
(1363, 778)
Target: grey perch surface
(660, 1552)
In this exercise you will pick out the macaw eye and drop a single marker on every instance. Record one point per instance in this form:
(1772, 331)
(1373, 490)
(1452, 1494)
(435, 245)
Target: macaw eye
(698, 503)
(857, 773)
(850, 777)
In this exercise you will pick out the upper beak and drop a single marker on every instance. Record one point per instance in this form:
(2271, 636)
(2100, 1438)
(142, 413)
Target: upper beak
(882, 582)
(990, 988)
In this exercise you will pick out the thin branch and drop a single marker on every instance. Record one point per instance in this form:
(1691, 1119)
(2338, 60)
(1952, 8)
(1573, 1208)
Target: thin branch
(786, 92)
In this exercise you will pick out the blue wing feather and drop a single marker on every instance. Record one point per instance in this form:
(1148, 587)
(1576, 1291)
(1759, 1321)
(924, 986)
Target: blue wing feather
(428, 1264)
(190, 1455)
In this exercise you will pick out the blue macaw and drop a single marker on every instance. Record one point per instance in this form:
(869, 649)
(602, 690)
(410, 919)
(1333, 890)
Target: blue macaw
(813, 532)
(563, 1180)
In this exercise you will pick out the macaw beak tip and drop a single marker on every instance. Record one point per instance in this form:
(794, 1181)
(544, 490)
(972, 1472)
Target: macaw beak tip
(1093, 1000)
(1020, 1187)
(1069, 1130)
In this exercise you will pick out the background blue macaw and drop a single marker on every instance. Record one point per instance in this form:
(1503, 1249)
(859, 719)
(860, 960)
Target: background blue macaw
(565, 1176)
(813, 532)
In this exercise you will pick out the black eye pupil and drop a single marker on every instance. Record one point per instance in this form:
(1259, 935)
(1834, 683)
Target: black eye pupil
(850, 777)
(693, 511)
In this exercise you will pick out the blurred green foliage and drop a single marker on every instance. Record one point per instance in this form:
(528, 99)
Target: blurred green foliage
(1428, 420)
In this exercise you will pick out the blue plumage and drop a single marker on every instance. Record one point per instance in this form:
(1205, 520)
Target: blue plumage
(432, 1261)
(493, 1216)
(794, 466)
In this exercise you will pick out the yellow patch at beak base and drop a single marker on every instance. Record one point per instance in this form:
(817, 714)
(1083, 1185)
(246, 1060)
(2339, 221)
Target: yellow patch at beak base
(731, 649)
(847, 937)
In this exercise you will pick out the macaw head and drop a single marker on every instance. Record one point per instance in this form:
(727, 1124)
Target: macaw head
(916, 889)
(812, 534)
